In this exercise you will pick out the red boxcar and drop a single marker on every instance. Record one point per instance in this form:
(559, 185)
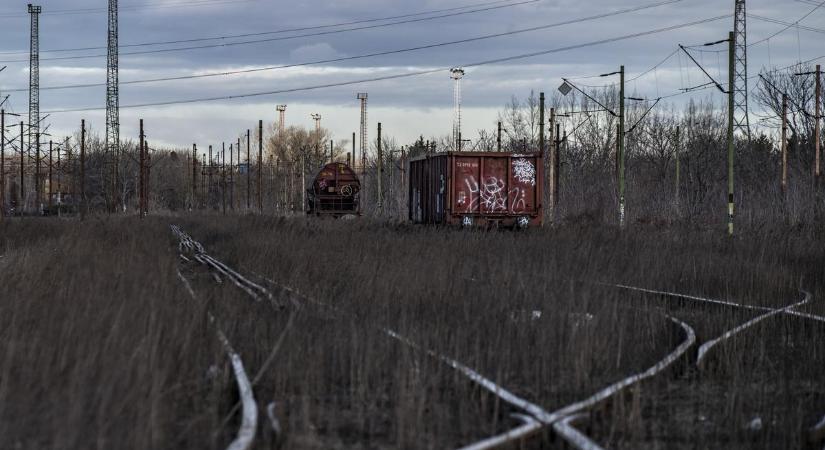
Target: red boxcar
(477, 188)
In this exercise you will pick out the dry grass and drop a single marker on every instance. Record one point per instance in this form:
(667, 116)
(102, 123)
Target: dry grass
(101, 345)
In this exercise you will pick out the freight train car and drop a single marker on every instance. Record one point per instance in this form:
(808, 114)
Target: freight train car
(335, 192)
(475, 188)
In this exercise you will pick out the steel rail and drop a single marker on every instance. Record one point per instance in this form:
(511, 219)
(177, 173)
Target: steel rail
(254, 290)
(541, 418)
(705, 348)
(790, 312)
(575, 438)
(602, 395)
(538, 414)
(187, 242)
(249, 420)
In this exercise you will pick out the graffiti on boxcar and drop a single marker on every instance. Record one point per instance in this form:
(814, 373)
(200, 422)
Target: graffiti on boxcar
(492, 196)
(524, 171)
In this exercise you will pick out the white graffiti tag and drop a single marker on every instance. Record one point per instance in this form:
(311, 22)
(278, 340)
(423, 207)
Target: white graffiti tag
(490, 194)
(524, 171)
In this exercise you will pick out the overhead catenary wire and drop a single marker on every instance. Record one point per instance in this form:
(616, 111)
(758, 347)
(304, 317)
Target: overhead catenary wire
(136, 7)
(355, 57)
(274, 39)
(409, 74)
(789, 26)
(510, 3)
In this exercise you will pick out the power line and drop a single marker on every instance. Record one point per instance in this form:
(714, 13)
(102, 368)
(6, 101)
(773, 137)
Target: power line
(136, 7)
(367, 55)
(410, 74)
(788, 26)
(284, 38)
(264, 33)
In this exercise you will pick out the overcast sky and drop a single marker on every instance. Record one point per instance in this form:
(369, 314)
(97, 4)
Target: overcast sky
(406, 107)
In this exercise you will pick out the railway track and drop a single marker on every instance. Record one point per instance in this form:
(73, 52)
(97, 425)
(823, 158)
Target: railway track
(249, 409)
(565, 428)
(558, 419)
(245, 436)
(533, 418)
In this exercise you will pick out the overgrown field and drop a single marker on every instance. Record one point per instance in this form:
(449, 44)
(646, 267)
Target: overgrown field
(103, 346)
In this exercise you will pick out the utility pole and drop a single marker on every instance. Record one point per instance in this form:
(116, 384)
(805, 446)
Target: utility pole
(209, 178)
(678, 163)
(82, 168)
(380, 170)
(817, 120)
(238, 149)
(303, 181)
(498, 137)
(331, 152)
(51, 154)
(621, 148)
(551, 180)
(362, 97)
(2, 164)
(731, 46)
(784, 183)
(542, 149)
(557, 165)
(223, 176)
(817, 133)
(260, 164)
(231, 179)
(248, 173)
(353, 152)
(194, 175)
(22, 204)
(142, 159)
(38, 185)
(147, 167)
(204, 189)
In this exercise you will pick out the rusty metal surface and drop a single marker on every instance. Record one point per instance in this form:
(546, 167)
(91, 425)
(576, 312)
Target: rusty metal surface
(335, 191)
(477, 188)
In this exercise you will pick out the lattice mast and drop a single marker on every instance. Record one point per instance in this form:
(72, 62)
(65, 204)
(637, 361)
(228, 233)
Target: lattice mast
(457, 74)
(112, 102)
(281, 120)
(741, 121)
(34, 88)
(363, 138)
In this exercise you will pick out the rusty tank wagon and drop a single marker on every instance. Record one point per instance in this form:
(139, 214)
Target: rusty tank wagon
(335, 192)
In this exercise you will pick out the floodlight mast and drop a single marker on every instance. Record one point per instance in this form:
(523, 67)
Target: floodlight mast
(457, 74)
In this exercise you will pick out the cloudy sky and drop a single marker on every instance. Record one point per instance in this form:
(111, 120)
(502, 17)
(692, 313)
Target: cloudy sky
(255, 34)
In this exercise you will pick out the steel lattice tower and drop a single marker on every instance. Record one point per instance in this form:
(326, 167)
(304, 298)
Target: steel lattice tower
(34, 78)
(741, 122)
(112, 101)
(363, 97)
(281, 118)
(457, 74)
